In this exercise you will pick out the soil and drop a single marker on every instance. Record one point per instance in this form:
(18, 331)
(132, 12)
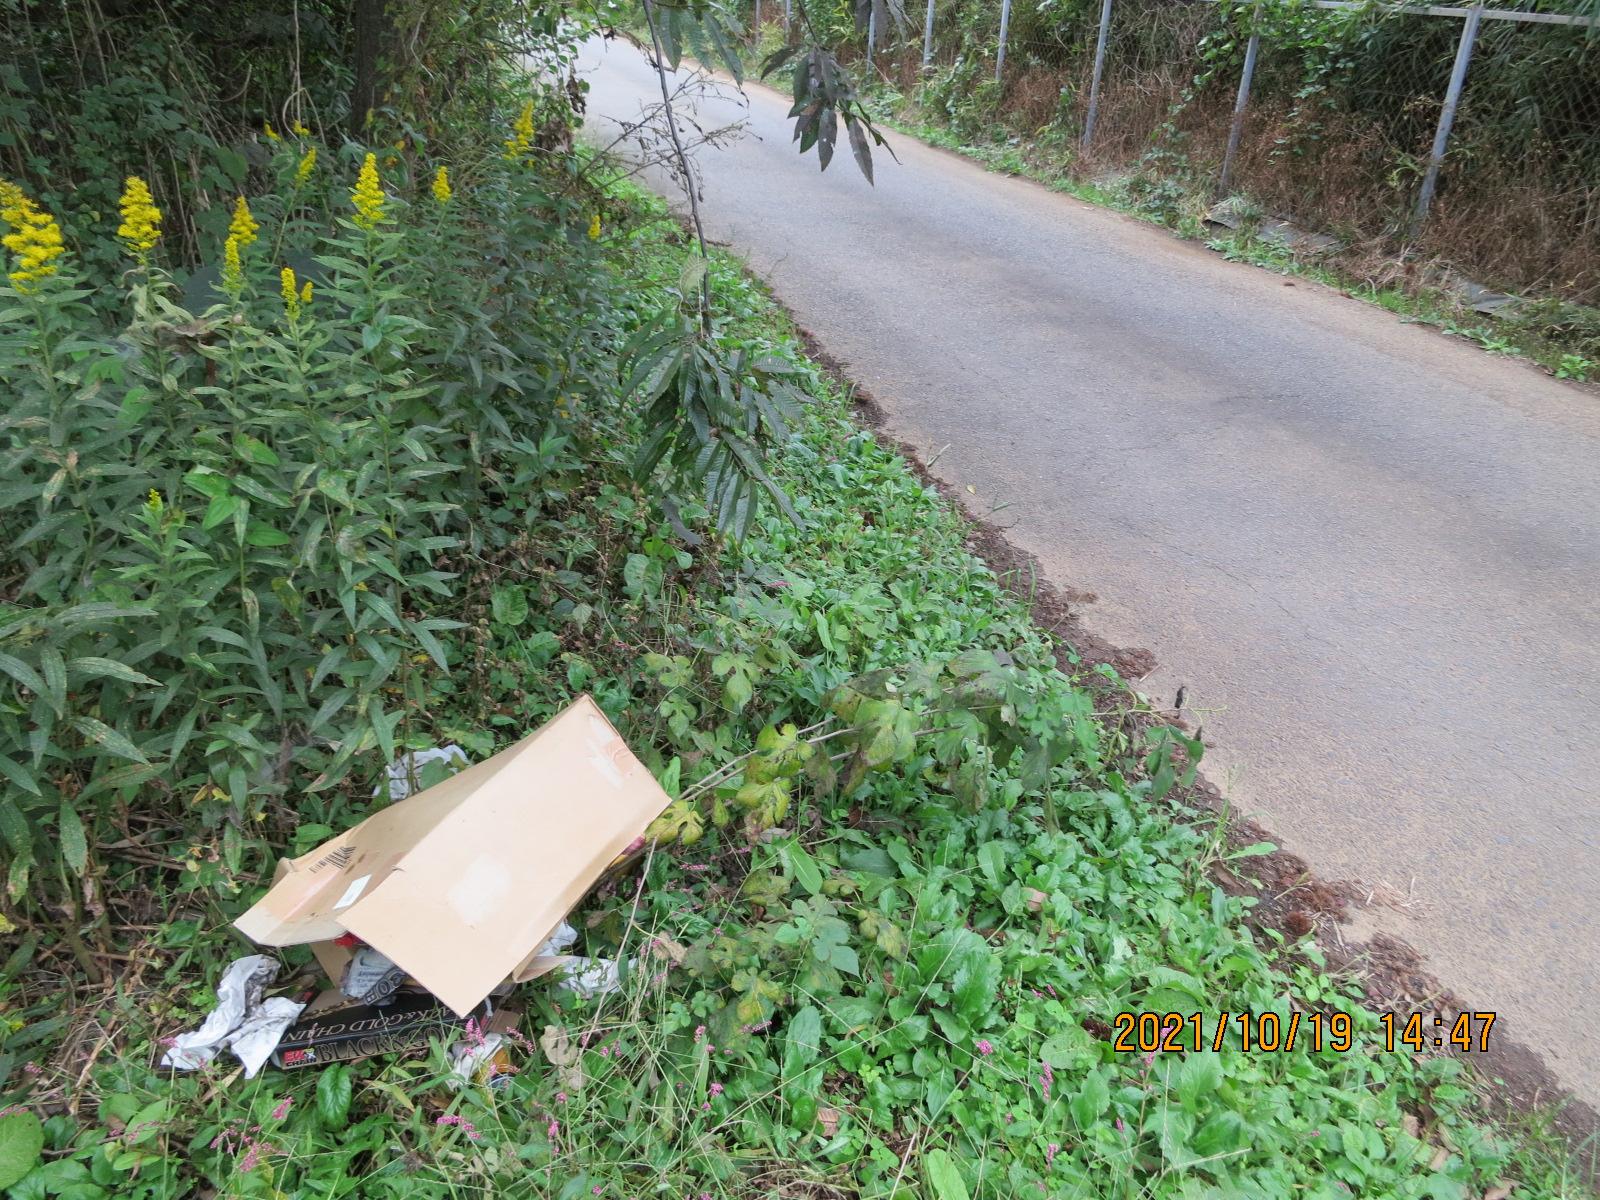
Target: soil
(1290, 897)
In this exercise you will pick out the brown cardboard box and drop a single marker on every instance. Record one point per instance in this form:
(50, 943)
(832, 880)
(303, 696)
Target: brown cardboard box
(461, 883)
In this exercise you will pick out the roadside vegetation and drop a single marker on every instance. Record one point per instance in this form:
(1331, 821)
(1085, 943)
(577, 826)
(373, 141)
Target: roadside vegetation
(417, 441)
(1341, 116)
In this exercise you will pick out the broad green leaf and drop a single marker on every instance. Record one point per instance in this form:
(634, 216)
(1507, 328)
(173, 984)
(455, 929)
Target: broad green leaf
(21, 1142)
(1091, 1101)
(22, 673)
(19, 775)
(333, 1096)
(1070, 1048)
(1197, 1076)
(254, 450)
(944, 1177)
(992, 861)
(54, 668)
(806, 872)
(99, 732)
(74, 845)
(110, 669)
(508, 604)
(149, 1123)
(805, 1036)
(219, 510)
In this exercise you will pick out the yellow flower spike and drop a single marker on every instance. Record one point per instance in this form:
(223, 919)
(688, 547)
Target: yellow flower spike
(232, 268)
(305, 293)
(141, 219)
(299, 129)
(34, 237)
(594, 227)
(368, 195)
(291, 296)
(243, 227)
(308, 163)
(441, 186)
(272, 134)
(154, 502)
(522, 133)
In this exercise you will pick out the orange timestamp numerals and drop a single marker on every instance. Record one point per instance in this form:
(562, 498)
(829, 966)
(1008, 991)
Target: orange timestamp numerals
(1269, 1032)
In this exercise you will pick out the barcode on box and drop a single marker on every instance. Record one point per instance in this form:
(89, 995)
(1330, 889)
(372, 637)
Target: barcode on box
(338, 859)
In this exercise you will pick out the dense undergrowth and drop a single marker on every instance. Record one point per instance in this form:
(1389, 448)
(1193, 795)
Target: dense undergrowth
(888, 991)
(369, 466)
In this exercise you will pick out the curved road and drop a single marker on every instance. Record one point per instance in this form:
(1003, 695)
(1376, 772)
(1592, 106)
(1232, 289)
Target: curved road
(1368, 551)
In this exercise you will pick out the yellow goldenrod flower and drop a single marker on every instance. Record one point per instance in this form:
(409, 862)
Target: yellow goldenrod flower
(34, 237)
(232, 268)
(522, 133)
(594, 227)
(368, 195)
(243, 227)
(291, 297)
(299, 129)
(441, 186)
(141, 219)
(308, 164)
(305, 293)
(154, 502)
(266, 128)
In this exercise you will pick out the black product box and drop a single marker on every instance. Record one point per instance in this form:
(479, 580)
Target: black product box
(352, 1031)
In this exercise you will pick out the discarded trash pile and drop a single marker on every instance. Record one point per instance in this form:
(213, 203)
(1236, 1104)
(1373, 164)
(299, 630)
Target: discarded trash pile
(427, 914)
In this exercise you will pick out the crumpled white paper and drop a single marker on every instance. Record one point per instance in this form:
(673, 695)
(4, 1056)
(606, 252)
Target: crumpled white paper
(409, 765)
(261, 1031)
(590, 977)
(558, 941)
(241, 1021)
(468, 1058)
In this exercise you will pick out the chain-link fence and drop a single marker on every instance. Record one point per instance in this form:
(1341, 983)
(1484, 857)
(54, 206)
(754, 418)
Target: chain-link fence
(1466, 134)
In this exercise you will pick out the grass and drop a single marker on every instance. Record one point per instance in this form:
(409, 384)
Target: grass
(890, 991)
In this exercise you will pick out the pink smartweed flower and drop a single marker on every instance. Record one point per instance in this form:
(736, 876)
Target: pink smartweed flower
(1050, 1153)
(984, 1047)
(466, 1126)
(715, 1089)
(282, 1110)
(1046, 1081)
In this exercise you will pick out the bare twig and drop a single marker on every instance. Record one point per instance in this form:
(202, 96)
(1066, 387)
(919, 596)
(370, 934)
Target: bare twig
(683, 163)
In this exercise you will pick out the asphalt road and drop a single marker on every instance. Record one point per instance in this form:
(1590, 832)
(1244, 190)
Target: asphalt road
(1368, 551)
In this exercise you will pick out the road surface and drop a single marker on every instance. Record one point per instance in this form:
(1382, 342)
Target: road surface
(1369, 552)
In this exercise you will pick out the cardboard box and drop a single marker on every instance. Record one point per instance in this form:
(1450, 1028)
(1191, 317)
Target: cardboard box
(460, 884)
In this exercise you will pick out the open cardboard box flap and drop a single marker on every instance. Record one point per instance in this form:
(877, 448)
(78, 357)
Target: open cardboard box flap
(461, 883)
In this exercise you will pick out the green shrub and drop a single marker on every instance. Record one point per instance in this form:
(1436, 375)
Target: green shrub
(236, 522)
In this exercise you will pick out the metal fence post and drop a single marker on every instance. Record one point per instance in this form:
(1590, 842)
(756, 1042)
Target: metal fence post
(872, 32)
(1243, 99)
(927, 36)
(787, 16)
(1099, 70)
(1447, 116)
(1005, 24)
(758, 20)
